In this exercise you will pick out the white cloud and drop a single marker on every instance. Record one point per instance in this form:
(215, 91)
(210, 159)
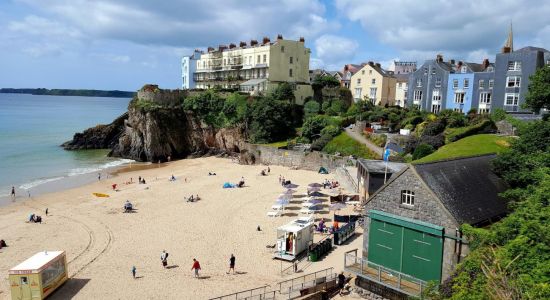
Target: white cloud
(468, 28)
(334, 51)
(38, 26)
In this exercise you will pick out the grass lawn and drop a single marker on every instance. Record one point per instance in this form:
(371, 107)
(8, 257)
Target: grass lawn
(277, 144)
(346, 145)
(469, 146)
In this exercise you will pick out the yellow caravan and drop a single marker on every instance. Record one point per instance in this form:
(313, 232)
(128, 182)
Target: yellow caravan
(38, 276)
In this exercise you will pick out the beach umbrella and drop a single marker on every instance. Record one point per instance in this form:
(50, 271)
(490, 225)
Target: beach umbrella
(282, 201)
(291, 186)
(317, 194)
(313, 189)
(315, 184)
(284, 196)
(315, 201)
(289, 191)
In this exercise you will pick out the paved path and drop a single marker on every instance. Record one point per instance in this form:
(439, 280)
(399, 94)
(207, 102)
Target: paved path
(360, 138)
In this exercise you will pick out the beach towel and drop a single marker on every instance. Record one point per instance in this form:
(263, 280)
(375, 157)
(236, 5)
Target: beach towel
(228, 185)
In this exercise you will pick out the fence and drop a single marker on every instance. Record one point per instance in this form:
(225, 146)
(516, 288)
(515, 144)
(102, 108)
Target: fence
(381, 275)
(292, 287)
(252, 294)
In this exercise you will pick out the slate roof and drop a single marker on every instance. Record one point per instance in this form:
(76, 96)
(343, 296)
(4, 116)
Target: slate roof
(466, 187)
(402, 77)
(531, 48)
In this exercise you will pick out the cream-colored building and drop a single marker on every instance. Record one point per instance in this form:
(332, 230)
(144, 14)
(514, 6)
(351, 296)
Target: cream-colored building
(256, 67)
(374, 83)
(401, 89)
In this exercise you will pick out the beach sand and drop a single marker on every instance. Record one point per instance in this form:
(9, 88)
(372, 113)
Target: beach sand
(103, 243)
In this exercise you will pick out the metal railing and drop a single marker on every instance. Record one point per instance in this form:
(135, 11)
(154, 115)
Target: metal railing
(387, 277)
(252, 294)
(305, 281)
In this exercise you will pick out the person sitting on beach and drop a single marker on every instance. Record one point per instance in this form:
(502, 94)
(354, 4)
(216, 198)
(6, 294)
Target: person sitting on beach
(190, 199)
(241, 183)
(31, 218)
(143, 181)
(211, 174)
(37, 219)
(173, 178)
(114, 186)
(2, 244)
(321, 227)
(128, 206)
(263, 173)
(197, 197)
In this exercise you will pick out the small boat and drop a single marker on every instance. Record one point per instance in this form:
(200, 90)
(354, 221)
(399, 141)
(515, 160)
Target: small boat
(100, 195)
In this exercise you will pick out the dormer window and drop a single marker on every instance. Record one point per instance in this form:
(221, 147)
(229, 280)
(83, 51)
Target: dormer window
(407, 197)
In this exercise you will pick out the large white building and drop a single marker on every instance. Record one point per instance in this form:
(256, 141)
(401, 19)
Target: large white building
(188, 68)
(255, 67)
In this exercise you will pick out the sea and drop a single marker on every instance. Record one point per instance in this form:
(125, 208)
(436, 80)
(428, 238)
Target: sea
(32, 128)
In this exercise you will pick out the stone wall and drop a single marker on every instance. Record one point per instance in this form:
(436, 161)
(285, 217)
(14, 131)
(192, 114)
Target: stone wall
(295, 159)
(152, 93)
(426, 208)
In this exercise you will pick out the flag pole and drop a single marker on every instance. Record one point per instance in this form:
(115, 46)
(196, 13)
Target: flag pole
(386, 157)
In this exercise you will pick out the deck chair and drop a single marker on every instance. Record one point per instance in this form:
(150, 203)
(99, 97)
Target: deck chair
(306, 211)
(276, 213)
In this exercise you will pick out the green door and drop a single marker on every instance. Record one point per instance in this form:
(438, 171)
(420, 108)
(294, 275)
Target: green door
(422, 255)
(385, 244)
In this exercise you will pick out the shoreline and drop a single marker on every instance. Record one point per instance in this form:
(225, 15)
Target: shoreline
(71, 182)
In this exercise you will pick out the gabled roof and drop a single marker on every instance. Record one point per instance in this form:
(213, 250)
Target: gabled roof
(531, 48)
(466, 187)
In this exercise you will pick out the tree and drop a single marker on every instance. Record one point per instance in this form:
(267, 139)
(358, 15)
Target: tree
(311, 108)
(234, 109)
(313, 125)
(538, 95)
(422, 150)
(270, 120)
(283, 91)
(207, 106)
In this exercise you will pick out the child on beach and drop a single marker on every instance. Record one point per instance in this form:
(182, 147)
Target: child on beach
(196, 266)
(13, 192)
(164, 258)
(134, 271)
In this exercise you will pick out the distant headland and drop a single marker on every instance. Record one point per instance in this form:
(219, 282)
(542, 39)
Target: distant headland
(69, 92)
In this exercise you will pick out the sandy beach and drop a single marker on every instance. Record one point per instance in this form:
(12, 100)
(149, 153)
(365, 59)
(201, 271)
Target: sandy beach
(103, 243)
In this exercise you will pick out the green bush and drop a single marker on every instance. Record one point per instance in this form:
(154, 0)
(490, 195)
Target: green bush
(313, 125)
(331, 130)
(145, 105)
(422, 150)
(321, 142)
(455, 134)
(311, 108)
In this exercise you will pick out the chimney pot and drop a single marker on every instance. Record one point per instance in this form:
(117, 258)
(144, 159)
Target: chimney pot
(452, 61)
(302, 39)
(253, 42)
(266, 40)
(378, 65)
(242, 44)
(371, 63)
(231, 46)
(439, 58)
(279, 36)
(485, 63)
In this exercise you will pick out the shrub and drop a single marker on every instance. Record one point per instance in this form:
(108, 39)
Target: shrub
(422, 150)
(436, 141)
(311, 107)
(338, 106)
(313, 126)
(434, 128)
(331, 130)
(498, 114)
(321, 142)
(455, 134)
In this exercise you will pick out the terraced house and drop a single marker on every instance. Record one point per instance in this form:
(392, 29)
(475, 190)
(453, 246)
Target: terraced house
(373, 83)
(256, 67)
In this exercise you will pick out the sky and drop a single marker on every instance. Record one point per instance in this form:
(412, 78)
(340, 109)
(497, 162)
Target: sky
(123, 44)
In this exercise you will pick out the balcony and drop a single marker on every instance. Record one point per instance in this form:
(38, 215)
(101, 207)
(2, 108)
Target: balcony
(370, 271)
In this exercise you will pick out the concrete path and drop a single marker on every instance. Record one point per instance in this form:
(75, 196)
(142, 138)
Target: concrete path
(360, 138)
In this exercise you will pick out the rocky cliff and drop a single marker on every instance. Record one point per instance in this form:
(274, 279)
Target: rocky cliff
(155, 133)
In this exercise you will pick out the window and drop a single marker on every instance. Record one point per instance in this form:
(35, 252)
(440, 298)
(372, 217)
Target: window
(458, 110)
(436, 95)
(511, 99)
(514, 66)
(433, 71)
(466, 83)
(481, 84)
(399, 85)
(417, 95)
(483, 111)
(265, 59)
(491, 83)
(362, 72)
(282, 48)
(358, 93)
(407, 197)
(419, 82)
(436, 108)
(464, 69)
(258, 60)
(485, 97)
(455, 84)
(373, 81)
(358, 80)
(438, 82)
(370, 72)
(372, 94)
(459, 98)
(290, 60)
(513, 81)
(224, 61)
(289, 72)
(425, 71)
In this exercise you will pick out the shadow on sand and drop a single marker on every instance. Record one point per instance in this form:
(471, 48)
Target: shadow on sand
(69, 289)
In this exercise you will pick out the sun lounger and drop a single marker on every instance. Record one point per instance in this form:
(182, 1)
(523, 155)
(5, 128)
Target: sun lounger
(307, 211)
(276, 213)
(278, 207)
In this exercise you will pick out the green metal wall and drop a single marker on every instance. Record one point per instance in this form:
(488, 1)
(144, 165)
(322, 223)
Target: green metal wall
(406, 250)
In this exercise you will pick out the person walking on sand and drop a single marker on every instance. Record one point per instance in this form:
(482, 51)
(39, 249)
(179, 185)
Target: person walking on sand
(231, 264)
(98, 176)
(134, 271)
(164, 258)
(196, 266)
(13, 192)
(46, 211)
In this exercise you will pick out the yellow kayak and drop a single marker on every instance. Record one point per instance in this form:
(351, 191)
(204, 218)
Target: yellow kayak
(100, 195)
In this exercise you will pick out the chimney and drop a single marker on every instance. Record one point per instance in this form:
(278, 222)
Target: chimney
(210, 49)
(242, 44)
(231, 46)
(265, 41)
(439, 58)
(452, 62)
(253, 43)
(346, 67)
(302, 39)
(506, 50)
(279, 37)
(222, 47)
(459, 64)
(370, 63)
(378, 65)
(485, 63)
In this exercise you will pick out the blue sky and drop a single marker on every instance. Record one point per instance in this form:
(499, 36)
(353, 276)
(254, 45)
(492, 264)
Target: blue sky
(123, 44)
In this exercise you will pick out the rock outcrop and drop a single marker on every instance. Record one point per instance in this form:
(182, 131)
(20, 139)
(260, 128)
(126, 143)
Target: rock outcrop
(156, 131)
(98, 137)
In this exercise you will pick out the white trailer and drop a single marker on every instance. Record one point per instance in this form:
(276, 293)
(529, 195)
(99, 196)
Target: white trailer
(294, 238)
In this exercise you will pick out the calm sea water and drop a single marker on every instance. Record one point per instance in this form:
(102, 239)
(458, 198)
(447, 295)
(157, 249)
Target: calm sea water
(33, 127)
